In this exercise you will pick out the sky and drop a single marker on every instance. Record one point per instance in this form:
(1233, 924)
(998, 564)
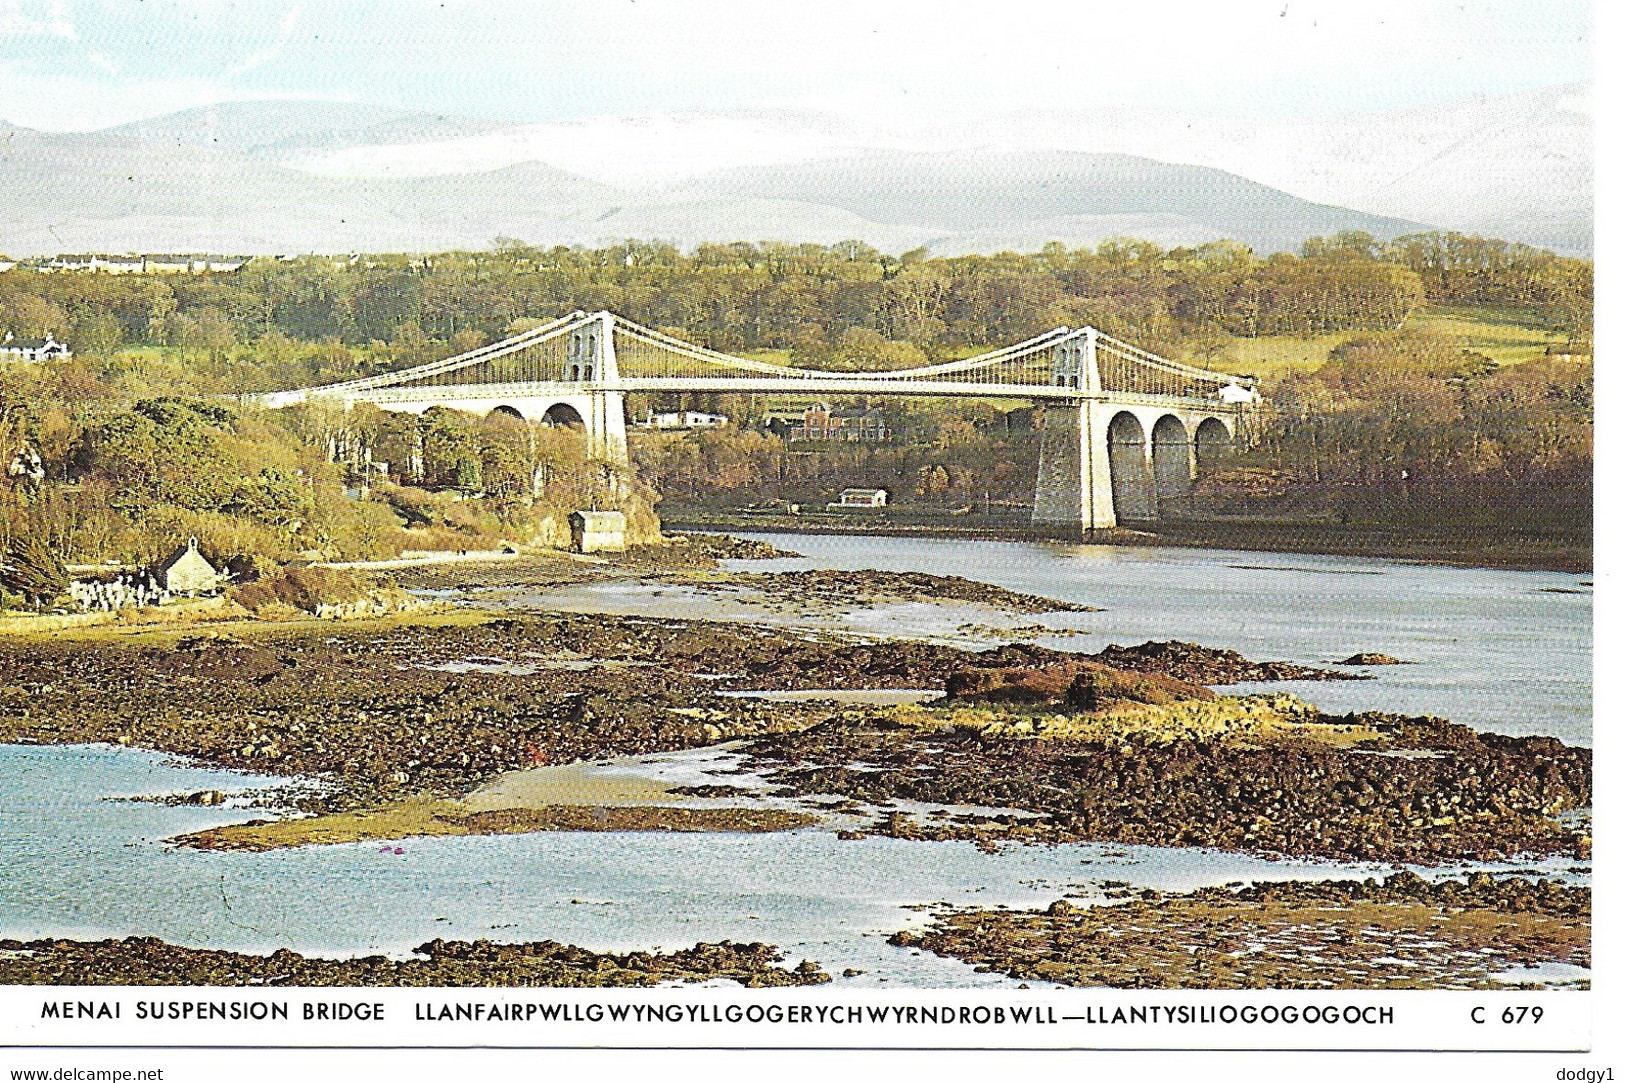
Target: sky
(73, 66)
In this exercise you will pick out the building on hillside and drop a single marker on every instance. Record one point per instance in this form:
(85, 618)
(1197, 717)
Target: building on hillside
(863, 498)
(597, 532)
(33, 349)
(167, 264)
(66, 262)
(130, 264)
(186, 572)
(683, 419)
(859, 424)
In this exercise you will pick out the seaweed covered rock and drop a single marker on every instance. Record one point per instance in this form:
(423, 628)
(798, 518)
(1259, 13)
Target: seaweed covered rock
(1079, 684)
(1095, 688)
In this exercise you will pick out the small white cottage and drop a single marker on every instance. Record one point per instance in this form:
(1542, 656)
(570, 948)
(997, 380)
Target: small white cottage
(187, 572)
(34, 349)
(863, 498)
(597, 532)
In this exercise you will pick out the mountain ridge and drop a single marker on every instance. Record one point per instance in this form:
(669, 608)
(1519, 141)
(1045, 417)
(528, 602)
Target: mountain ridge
(218, 178)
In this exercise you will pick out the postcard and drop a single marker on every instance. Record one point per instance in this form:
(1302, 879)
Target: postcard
(560, 526)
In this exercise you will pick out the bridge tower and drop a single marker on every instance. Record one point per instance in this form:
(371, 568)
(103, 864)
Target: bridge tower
(590, 362)
(1074, 490)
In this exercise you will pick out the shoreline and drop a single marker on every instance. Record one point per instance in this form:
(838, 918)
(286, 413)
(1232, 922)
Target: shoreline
(479, 722)
(1520, 553)
(396, 717)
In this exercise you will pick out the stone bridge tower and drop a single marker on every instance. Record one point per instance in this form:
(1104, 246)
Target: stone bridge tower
(590, 362)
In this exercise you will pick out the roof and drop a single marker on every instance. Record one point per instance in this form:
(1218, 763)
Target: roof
(600, 520)
(189, 549)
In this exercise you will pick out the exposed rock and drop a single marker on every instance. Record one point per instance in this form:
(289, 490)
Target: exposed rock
(1353, 787)
(1401, 933)
(1207, 665)
(1083, 684)
(458, 964)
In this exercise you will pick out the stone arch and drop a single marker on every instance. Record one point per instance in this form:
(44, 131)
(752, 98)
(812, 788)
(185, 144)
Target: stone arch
(1213, 441)
(506, 411)
(1133, 490)
(563, 415)
(1171, 464)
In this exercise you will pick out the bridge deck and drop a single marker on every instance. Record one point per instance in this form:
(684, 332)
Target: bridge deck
(724, 385)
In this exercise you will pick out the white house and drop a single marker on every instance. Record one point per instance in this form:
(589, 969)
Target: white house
(683, 419)
(863, 498)
(597, 532)
(118, 265)
(168, 264)
(33, 349)
(187, 572)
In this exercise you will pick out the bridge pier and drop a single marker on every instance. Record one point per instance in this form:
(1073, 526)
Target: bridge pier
(606, 427)
(1102, 463)
(1074, 491)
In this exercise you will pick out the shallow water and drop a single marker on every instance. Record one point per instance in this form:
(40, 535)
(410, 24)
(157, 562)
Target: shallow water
(79, 865)
(1508, 651)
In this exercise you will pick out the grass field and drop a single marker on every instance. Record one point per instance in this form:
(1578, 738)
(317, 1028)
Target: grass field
(1506, 337)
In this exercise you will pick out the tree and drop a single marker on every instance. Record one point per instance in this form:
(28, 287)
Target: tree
(31, 569)
(98, 335)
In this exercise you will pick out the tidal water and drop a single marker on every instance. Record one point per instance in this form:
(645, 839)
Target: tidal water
(1508, 651)
(80, 863)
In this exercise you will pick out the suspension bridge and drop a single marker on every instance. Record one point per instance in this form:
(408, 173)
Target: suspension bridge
(1123, 429)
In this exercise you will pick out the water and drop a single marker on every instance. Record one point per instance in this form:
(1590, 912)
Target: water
(1496, 649)
(81, 866)
(1507, 651)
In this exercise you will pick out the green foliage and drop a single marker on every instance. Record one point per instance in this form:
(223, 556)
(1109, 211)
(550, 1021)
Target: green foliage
(140, 450)
(283, 323)
(1413, 425)
(31, 570)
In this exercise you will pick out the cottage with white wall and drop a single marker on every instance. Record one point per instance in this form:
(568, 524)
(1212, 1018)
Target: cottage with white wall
(33, 349)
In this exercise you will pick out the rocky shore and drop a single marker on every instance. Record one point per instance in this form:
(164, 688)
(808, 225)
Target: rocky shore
(694, 564)
(436, 723)
(1265, 774)
(1127, 745)
(439, 703)
(1401, 933)
(814, 588)
(148, 961)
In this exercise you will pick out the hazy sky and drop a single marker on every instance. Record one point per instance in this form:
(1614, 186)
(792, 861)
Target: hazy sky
(80, 65)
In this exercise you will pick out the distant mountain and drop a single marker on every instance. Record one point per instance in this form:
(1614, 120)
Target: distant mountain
(215, 179)
(296, 175)
(1519, 167)
(995, 194)
(116, 191)
(274, 130)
